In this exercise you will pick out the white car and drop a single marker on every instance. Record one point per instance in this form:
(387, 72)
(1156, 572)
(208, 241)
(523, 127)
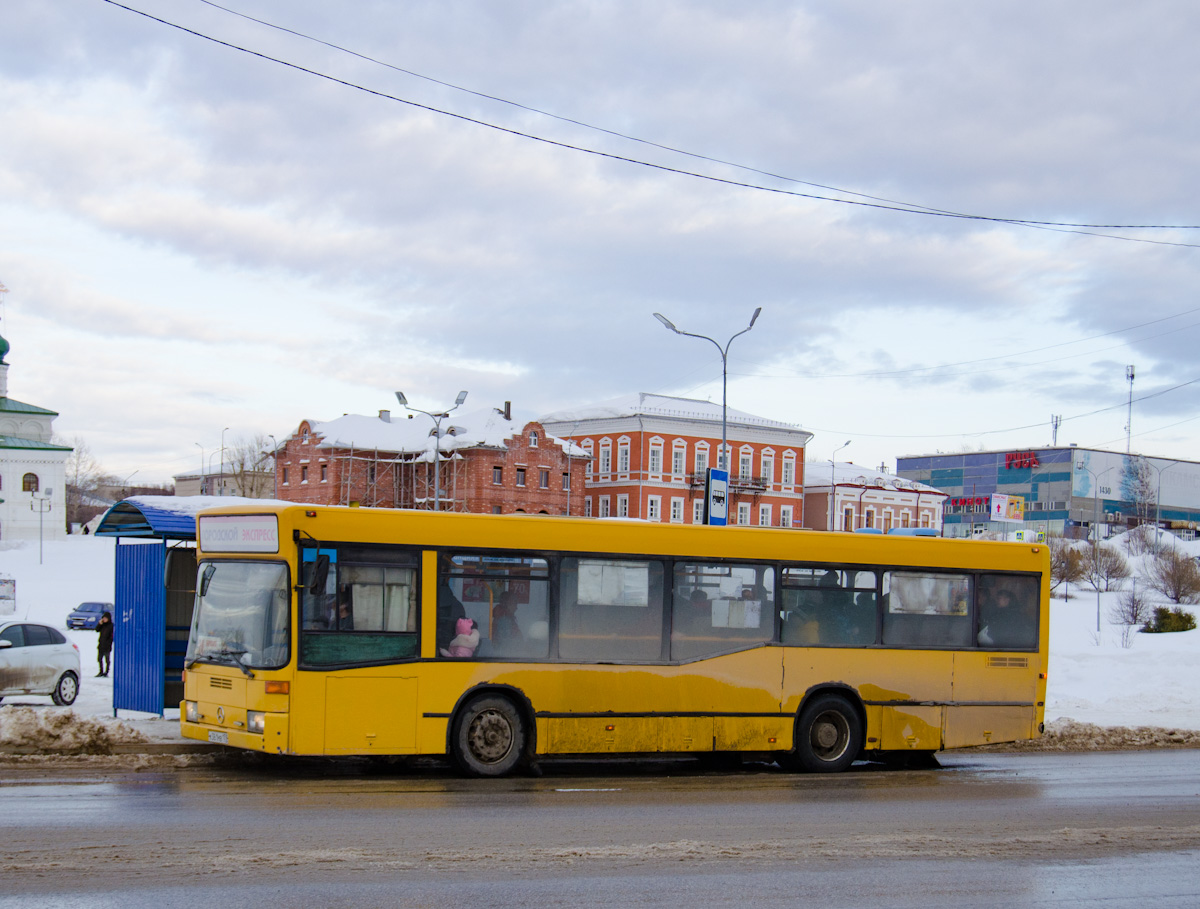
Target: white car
(38, 659)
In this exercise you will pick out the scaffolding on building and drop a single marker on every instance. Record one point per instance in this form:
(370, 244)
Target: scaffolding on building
(370, 479)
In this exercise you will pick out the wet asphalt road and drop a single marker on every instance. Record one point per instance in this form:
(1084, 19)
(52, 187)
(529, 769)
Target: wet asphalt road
(1117, 830)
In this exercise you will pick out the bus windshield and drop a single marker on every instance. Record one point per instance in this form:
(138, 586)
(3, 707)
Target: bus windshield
(241, 615)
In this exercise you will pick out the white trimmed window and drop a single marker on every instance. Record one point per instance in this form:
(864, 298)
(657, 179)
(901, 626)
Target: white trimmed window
(587, 507)
(789, 471)
(676, 511)
(697, 511)
(604, 502)
(622, 506)
(605, 457)
(701, 457)
(764, 515)
(654, 508)
(656, 459)
(785, 515)
(743, 514)
(679, 459)
(623, 457)
(768, 469)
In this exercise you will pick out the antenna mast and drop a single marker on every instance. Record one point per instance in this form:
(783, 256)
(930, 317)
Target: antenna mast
(1129, 419)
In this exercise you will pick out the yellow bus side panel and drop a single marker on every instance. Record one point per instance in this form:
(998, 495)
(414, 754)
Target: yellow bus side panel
(967, 726)
(370, 715)
(916, 728)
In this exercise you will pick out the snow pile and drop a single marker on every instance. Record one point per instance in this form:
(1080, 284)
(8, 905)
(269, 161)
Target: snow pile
(33, 729)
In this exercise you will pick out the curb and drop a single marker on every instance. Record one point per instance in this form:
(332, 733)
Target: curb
(148, 748)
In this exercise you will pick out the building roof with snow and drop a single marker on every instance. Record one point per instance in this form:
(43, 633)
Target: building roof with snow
(817, 475)
(648, 404)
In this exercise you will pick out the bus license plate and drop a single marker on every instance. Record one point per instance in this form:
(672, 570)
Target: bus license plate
(221, 738)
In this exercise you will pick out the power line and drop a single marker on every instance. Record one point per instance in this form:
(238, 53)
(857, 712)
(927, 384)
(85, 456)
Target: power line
(1066, 226)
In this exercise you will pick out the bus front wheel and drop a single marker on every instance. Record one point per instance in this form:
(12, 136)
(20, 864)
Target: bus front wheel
(489, 737)
(829, 735)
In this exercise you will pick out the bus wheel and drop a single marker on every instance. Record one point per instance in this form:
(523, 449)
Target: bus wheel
(829, 735)
(489, 737)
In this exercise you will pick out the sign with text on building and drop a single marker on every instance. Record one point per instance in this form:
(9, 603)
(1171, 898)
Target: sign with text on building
(716, 498)
(1007, 508)
(238, 533)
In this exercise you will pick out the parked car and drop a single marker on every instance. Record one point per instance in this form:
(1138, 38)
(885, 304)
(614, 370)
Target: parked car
(38, 659)
(87, 615)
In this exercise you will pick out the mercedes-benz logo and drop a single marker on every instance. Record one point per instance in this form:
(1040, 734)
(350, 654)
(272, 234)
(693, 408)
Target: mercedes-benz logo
(220, 714)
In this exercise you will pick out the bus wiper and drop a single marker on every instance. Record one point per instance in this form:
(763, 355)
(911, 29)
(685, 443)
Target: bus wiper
(232, 656)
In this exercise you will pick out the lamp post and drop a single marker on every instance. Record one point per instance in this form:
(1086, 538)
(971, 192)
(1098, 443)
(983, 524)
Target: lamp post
(201, 489)
(222, 484)
(724, 370)
(1095, 521)
(41, 504)
(437, 439)
(209, 471)
(1158, 500)
(274, 465)
(833, 480)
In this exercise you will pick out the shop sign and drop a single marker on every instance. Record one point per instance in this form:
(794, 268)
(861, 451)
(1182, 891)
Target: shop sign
(1018, 460)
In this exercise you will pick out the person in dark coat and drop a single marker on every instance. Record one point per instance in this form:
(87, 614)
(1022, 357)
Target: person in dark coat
(104, 647)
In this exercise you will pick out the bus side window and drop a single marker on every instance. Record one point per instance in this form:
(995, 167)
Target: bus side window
(610, 609)
(506, 595)
(1008, 612)
(828, 606)
(719, 608)
(926, 609)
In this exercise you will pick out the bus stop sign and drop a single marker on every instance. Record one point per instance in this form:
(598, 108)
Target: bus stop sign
(716, 497)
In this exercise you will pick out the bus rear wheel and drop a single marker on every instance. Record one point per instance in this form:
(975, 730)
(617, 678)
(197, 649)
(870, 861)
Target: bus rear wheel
(489, 737)
(829, 735)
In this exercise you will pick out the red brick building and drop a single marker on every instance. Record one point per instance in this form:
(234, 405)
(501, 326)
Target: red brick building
(487, 463)
(650, 453)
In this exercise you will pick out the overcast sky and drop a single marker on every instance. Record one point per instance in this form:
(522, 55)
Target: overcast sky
(195, 237)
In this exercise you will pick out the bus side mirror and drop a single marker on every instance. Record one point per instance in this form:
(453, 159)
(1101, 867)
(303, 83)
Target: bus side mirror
(320, 574)
(206, 579)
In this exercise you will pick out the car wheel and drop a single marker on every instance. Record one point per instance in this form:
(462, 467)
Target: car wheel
(66, 690)
(489, 737)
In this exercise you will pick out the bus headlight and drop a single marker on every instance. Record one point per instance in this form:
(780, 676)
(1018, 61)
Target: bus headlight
(191, 711)
(256, 721)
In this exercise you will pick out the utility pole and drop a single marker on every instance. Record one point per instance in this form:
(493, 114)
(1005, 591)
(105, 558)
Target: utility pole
(1129, 419)
(1055, 421)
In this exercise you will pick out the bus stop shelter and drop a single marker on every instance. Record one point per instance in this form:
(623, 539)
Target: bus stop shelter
(155, 594)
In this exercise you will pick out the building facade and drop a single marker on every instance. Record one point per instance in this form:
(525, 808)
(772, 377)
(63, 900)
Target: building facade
(1073, 491)
(32, 468)
(866, 499)
(484, 462)
(649, 456)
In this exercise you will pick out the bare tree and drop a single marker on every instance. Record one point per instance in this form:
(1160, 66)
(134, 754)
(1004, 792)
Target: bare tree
(248, 462)
(1131, 612)
(1138, 491)
(84, 477)
(1105, 568)
(1066, 563)
(1175, 575)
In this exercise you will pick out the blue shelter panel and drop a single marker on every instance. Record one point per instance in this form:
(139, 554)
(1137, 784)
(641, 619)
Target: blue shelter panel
(140, 601)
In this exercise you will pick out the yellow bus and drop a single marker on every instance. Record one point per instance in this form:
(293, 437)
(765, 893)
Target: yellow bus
(499, 640)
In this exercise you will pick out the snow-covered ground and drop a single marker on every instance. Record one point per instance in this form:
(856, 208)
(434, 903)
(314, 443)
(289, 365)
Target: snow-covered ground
(1093, 678)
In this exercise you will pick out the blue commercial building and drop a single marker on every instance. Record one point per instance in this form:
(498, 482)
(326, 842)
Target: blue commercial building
(1067, 490)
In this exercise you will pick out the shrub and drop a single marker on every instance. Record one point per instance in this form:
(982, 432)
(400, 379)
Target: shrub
(1176, 576)
(1167, 620)
(1132, 609)
(1066, 562)
(1106, 567)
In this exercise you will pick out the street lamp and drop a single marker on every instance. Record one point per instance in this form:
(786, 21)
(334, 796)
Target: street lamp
(201, 488)
(209, 471)
(437, 439)
(833, 480)
(222, 485)
(724, 369)
(274, 465)
(1158, 500)
(41, 505)
(1096, 522)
